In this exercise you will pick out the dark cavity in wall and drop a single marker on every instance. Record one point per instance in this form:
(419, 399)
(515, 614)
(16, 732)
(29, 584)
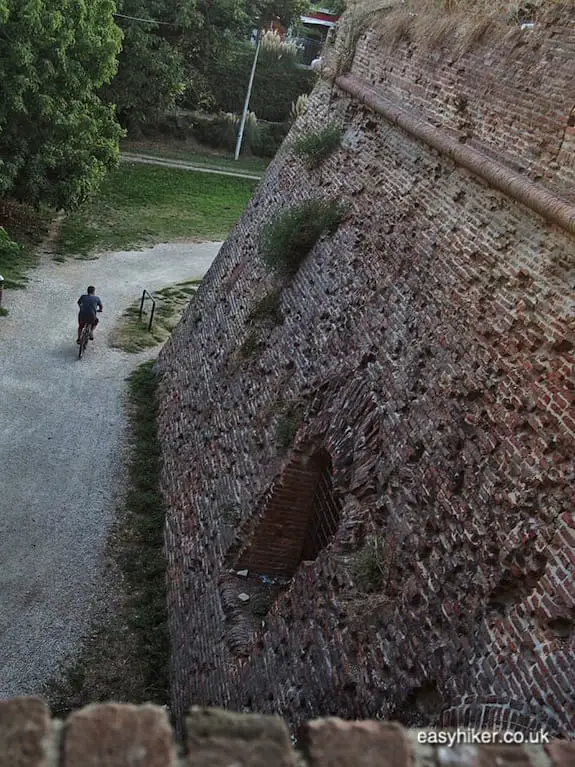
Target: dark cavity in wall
(299, 520)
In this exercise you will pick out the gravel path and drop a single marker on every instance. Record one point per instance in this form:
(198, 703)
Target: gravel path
(147, 159)
(62, 429)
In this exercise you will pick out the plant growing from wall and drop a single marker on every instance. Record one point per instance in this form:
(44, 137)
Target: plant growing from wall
(288, 239)
(267, 309)
(299, 107)
(288, 424)
(251, 345)
(314, 147)
(367, 566)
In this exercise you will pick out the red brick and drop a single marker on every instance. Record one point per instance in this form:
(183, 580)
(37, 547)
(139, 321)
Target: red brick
(114, 735)
(455, 310)
(336, 743)
(24, 729)
(217, 738)
(562, 753)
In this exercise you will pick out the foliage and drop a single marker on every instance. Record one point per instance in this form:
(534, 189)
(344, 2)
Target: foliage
(262, 139)
(286, 430)
(314, 147)
(289, 421)
(57, 139)
(299, 107)
(277, 83)
(140, 204)
(337, 7)
(12, 261)
(150, 72)
(131, 333)
(367, 566)
(188, 40)
(144, 564)
(288, 239)
(251, 345)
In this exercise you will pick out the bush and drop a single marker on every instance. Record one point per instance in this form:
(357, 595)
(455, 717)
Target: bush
(290, 237)
(277, 83)
(12, 259)
(313, 148)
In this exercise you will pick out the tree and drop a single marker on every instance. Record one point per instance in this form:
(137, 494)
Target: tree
(57, 139)
(175, 45)
(151, 71)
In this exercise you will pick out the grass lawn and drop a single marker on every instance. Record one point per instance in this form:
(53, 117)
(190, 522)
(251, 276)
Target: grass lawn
(194, 153)
(131, 333)
(141, 205)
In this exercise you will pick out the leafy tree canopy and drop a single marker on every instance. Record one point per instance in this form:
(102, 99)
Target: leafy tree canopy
(179, 50)
(57, 139)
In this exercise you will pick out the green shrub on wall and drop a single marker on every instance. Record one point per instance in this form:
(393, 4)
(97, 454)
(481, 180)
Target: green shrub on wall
(277, 84)
(313, 148)
(290, 237)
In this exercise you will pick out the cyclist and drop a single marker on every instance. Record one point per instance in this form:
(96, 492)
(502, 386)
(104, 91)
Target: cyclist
(89, 304)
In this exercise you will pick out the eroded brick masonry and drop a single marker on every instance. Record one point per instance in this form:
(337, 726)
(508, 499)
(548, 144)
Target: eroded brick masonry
(391, 461)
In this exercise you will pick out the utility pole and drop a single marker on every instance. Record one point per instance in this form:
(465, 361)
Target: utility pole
(247, 101)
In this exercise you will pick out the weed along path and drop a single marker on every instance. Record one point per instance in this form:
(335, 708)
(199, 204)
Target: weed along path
(62, 450)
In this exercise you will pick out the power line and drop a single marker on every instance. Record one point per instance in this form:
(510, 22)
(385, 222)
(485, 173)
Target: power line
(146, 21)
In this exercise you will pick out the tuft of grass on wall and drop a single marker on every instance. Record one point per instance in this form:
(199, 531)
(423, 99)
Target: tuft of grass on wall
(313, 148)
(289, 421)
(288, 239)
(268, 308)
(368, 567)
(251, 345)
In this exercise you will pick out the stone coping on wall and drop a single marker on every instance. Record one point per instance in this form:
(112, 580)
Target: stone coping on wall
(541, 201)
(120, 735)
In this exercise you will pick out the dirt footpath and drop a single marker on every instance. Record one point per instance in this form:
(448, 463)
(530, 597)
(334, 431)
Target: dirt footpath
(62, 437)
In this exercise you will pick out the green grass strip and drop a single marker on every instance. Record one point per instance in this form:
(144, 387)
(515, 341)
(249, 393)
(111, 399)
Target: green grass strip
(143, 561)
(141, 205)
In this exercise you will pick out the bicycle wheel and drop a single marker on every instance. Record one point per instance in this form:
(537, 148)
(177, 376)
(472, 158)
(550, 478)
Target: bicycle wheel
(83, 340)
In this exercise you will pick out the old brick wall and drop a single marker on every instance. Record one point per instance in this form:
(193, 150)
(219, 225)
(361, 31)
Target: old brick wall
(429, 348)
(120, 735)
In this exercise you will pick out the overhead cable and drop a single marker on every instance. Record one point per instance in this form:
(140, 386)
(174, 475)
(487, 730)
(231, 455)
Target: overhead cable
(145, 21)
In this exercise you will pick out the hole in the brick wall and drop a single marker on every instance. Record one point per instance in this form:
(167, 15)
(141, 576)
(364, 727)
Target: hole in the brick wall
(562, 627)
(419, 708)
(458, 483)
(299, 520)
(417, 453)
(512, 588)
(563, 346)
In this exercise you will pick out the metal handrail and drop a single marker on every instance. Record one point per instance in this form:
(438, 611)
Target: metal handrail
(153, 300)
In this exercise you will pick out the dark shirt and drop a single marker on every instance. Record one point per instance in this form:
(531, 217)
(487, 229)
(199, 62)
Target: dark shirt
(89, 304)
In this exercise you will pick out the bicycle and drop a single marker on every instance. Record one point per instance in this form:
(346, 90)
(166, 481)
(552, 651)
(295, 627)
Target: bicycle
(84, 338)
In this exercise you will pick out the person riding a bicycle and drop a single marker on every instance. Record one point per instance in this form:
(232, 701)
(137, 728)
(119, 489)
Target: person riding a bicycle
(89, 304)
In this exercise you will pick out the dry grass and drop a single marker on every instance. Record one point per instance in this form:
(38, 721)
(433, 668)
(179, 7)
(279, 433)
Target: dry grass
(131, 332)
(432, 24)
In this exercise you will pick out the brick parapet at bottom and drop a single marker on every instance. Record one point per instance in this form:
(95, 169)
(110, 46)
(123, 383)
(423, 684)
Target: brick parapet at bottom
(118, 735)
